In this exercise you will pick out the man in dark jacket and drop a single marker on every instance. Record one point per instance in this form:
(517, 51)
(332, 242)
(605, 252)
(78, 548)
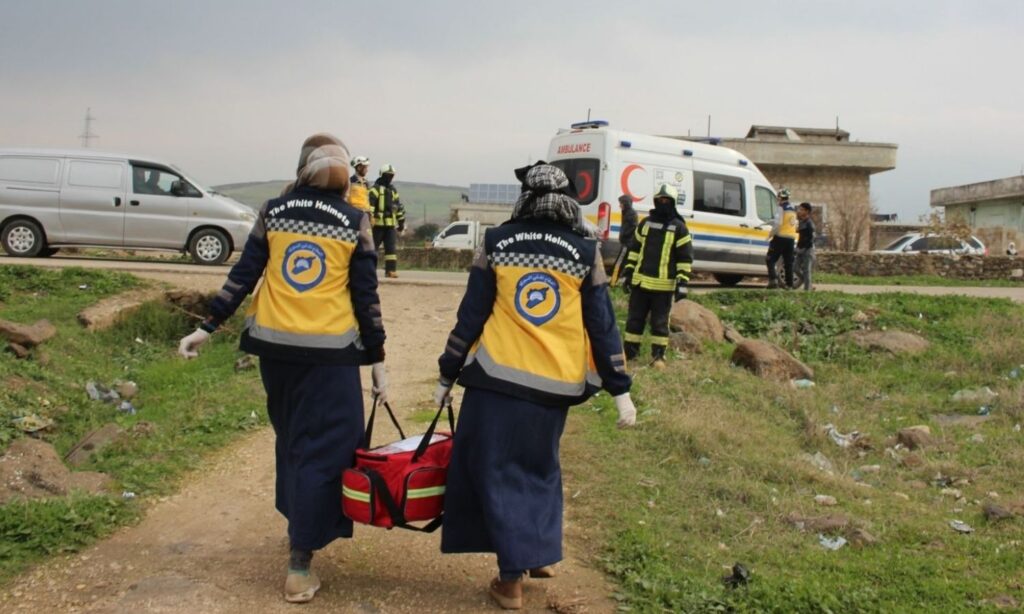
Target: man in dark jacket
(627, 227)
(657, 270)
(388, 218)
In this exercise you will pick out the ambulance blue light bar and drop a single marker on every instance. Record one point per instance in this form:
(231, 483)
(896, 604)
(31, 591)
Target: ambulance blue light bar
(743, 162)
(687, 152)
(597, 123)
(625, 144)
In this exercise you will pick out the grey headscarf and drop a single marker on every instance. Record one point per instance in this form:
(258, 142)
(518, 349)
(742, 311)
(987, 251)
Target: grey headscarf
(544, 197)
(311, 144)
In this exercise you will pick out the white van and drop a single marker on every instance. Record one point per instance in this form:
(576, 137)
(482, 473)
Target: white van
(727, 203)
(464, 234)
(61, 198)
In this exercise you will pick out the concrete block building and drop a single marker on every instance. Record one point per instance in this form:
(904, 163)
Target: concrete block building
(993, 209)
(824, 167)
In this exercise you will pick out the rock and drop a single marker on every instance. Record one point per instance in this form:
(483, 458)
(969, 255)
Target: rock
(25, 335)
(127, 390)
(819, 461)
(969, 421)
(770, 361)
(983, 394)
(93, 443)
(860, 317)
(892, 341)
(911, 461)
(697, 320)
(826, 500)
(901, 495)
(994, 512)
(683, 341)
(860, 538)
(733, 336)
(109, 311)
(916, 437)
(20, 352)
(31, 469)
(246, 363)
(33, 423)
(870, 468)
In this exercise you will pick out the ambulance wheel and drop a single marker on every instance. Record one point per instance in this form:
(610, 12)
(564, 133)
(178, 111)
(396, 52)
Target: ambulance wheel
(209, 246)
(728, 279)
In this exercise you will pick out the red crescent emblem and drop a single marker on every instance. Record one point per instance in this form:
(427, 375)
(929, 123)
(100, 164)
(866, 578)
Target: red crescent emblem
(588, 184)
(626, 172)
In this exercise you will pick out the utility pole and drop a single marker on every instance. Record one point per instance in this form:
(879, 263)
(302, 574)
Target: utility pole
(87, 133)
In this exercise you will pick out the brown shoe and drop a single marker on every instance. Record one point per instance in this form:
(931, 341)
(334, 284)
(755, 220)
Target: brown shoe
(300, 587)
(391, 274)
(546, 571)
(659, 364)
(509, 595)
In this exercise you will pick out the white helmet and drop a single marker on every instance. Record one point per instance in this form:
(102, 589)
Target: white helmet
(360, 161)
(387, 169)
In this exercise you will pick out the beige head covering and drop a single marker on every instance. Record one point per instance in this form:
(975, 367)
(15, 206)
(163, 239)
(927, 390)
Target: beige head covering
(311, 144)
(326, 168)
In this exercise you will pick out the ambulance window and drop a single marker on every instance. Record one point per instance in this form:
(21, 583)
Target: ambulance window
(459, 229)
(765, 203)
(718, 194)
(585, 174)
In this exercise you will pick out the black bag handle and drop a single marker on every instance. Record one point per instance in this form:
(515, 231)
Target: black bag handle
(397, 517)
(425, 442)
(373, 416)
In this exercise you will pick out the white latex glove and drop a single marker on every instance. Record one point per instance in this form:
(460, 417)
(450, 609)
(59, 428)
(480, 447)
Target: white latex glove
(627, 411)
(442, 393)
(380, 382)
(188, 347)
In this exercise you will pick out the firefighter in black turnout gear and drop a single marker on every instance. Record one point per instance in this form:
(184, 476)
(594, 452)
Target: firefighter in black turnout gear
(388, 218)
(657, 271)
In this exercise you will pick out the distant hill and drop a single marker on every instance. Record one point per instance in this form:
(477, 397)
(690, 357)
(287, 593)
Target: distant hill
(424, 202)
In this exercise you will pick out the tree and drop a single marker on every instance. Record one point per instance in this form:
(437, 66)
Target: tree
(849, 223)
(425, 232)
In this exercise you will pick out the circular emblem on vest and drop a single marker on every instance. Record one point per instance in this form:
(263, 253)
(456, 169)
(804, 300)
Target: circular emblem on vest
(537, 297)
(304, 265)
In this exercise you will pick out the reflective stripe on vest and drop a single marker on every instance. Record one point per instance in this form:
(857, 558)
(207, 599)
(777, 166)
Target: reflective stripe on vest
(271, 335)
(530, 380)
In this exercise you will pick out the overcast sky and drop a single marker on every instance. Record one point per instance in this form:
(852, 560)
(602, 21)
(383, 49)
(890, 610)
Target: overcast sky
(458, 92)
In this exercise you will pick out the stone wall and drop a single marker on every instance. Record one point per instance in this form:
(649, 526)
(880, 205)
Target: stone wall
(845, 193)
(429, 258)
(954, 267)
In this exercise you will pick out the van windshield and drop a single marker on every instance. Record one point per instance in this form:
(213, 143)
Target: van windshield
(585, 174)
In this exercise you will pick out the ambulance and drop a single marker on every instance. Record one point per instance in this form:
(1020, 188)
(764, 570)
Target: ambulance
(727, 203)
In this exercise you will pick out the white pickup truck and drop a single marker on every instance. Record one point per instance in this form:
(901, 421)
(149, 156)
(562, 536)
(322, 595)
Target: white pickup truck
(465, 234)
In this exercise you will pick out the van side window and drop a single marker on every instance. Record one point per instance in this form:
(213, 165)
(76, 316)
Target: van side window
(89, 174)
(29, 170)
(461, 229)
(718, 194)
(159, 182)
(765, 203)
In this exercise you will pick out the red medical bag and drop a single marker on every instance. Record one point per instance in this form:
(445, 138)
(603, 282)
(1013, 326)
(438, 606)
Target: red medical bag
(401, 482)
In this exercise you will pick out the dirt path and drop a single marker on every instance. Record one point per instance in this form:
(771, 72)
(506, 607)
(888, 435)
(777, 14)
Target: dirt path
(219, 546)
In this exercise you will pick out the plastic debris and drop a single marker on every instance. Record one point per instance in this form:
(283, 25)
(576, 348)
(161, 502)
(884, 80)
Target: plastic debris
(819, 461)
(1016, 428)
(831, 543)
(99, 392)
(740, 575)
(840, 439)
(32, 423)
(826, 500)
(803, 383)
(984, 410)
(975, 395)
(961, 527)
(1015, 373)
(83, 287)
(126, 407)
(704, 461)
(127, 495)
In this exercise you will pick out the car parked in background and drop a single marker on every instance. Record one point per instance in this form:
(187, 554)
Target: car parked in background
(925, 243)
(82, 198)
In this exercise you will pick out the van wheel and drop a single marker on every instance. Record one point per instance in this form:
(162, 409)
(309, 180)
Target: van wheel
(728, 279)
(209, 246)
(23, 238)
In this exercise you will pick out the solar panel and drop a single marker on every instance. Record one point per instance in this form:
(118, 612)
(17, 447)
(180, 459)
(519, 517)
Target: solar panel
(494, 193)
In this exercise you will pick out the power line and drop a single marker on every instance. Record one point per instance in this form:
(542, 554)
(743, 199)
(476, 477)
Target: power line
(87, 133)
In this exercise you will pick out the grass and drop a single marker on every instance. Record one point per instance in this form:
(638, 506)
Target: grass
(913, 280)
(715, 468)
(185, 409)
